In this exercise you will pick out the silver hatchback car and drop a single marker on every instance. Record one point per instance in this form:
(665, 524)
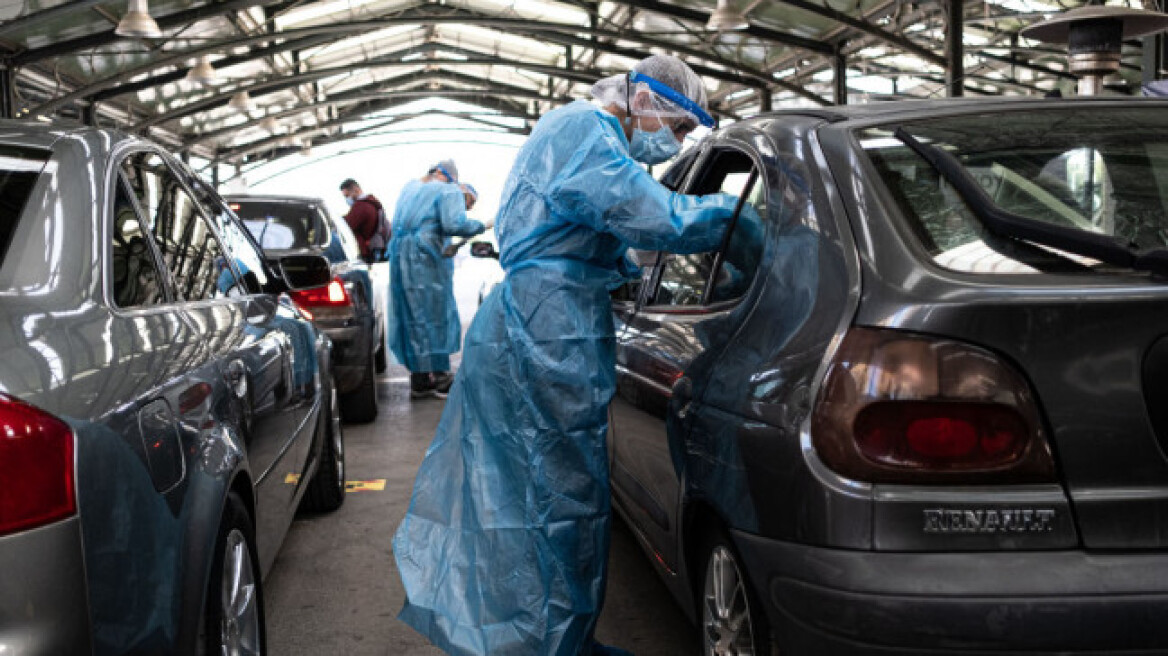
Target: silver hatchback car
(917, 402)
(162, 411)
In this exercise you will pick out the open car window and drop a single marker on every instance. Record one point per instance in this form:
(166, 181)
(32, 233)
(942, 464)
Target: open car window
(715, 277)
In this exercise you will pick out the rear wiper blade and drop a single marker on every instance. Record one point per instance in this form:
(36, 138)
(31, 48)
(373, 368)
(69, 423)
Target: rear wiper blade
(1005, 224)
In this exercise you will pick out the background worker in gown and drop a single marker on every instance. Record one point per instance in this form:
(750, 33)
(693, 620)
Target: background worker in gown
(505, 545)
(424, 329)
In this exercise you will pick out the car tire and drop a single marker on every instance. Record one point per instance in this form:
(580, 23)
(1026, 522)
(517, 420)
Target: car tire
(326, 490)
(360, 405)
(731, 619)
(233, 616)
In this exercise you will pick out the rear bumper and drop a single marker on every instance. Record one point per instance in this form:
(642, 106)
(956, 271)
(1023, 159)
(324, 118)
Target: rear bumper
(830, 601)
(353, 348)
(43, 597)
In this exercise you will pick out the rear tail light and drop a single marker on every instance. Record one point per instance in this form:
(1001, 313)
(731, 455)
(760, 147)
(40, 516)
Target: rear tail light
(332, 295)
(904, 408)
(36, 467)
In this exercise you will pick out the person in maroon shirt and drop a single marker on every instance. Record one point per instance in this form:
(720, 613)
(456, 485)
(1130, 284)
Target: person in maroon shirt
(363, 215)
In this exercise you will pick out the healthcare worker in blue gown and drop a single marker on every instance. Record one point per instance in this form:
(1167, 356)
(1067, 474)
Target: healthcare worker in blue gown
(424, 328)
(504, 548)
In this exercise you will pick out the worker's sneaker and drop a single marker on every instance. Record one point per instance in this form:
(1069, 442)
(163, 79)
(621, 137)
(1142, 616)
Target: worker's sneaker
(442, 381)
(422, 386)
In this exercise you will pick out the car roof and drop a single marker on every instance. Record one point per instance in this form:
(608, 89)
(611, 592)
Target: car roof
(37, 134)
(273, 198)
(916, 109)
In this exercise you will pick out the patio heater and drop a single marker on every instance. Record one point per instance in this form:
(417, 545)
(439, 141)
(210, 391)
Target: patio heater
(1094, 36)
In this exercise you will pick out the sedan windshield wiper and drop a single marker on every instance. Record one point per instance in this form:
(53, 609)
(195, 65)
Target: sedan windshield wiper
(1004, 224)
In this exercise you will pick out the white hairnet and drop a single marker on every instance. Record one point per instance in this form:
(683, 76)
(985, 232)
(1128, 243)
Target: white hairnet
(689, 101)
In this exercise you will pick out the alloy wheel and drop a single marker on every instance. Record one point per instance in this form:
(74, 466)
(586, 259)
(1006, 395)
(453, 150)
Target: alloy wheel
(726, 608)
(239, 629)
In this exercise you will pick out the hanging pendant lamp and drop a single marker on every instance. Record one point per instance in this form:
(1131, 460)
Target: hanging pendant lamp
(137, 23)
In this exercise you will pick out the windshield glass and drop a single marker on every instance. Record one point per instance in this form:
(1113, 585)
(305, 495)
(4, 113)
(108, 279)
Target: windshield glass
(281, 226)
(1099, 169)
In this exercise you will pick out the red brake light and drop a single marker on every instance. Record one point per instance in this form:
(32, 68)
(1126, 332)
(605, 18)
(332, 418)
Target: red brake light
(333, 294)
(36, 467)
(897, 407)
(940, 435)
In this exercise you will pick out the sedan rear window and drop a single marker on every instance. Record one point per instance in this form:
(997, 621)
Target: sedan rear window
(1100, 170)
(281, 226)
(19, 169)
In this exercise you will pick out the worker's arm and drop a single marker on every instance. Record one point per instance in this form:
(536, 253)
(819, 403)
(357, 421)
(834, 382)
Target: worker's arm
(452, 213)
(609, 191)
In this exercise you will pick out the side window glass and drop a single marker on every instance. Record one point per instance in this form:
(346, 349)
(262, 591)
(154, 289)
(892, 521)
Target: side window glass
(189, 249)
(241, 248)
(744, 248)
(137, 281)
(644, 261)
(724, 275)
(684, 278)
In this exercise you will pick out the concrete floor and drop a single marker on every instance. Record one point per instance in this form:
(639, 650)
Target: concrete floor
(334, 588)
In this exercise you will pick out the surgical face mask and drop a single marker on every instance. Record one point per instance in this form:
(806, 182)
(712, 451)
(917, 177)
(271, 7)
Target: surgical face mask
(653, 147)
(349, 200)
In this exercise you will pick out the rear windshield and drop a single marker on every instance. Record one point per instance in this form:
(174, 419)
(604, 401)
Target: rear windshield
(1102, 170)
(19, 168)
(279, 226)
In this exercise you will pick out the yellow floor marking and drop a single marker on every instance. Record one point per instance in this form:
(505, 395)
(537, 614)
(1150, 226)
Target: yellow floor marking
(374, 485)
(291, 479)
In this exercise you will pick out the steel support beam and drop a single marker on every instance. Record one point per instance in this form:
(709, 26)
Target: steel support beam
(861, 25)
(231, 60)
(701, 17)
(394, 88)
(1066, 75)
(954, 47)
(274, 141)
(840, 77)
(105, 38)
(306, 37)
(36, 17)
(290, 81)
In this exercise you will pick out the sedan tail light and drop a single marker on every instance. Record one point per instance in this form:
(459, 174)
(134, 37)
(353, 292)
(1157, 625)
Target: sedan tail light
(332, 301)
(36, 467)
(899, 407)
(333, 294)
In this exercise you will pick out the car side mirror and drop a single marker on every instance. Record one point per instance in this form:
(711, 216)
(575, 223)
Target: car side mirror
(483, 249)
(305, 271)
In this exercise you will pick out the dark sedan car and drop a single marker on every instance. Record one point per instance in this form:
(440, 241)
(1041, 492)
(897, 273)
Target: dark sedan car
(163, 412)
(915, 403)
(350, 309)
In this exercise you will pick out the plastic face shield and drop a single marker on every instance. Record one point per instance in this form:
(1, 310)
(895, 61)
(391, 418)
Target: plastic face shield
(667, 102)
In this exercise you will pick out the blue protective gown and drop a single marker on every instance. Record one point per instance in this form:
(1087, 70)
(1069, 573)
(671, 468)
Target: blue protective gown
(423, 325)
(504, 548)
